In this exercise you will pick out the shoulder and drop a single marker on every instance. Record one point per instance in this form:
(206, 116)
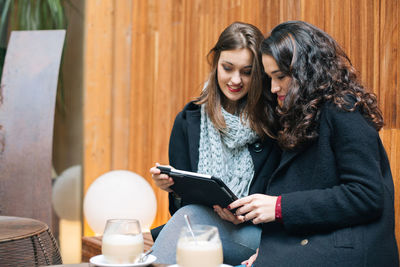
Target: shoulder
(345, 122)
(191, 106)
(190, 109)
(331, 111)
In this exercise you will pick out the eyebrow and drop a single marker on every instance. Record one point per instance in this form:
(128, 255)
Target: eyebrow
(227, 62)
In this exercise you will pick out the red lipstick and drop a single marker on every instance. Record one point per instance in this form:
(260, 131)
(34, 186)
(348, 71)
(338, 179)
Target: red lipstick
(235, 90)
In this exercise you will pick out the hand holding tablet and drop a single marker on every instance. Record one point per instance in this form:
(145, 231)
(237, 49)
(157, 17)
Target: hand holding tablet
(199, 188)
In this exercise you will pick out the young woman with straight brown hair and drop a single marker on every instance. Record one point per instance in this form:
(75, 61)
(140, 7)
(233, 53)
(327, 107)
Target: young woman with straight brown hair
(225, 133)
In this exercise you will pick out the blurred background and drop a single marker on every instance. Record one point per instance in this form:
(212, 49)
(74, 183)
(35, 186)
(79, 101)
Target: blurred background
(129, 66)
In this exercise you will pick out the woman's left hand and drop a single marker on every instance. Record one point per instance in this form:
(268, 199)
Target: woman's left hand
(251, 260)
(258, 208)
(227, 215)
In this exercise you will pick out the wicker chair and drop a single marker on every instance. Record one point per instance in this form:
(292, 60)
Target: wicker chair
(27, 242)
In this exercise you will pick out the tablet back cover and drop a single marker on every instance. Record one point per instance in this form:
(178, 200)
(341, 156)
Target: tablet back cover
(203, 191)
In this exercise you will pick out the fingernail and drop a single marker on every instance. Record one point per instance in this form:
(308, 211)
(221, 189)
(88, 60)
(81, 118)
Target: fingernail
(229, 207)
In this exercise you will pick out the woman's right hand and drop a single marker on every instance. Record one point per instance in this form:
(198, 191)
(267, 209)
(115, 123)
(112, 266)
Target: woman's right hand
(227, 215)
(163, 181)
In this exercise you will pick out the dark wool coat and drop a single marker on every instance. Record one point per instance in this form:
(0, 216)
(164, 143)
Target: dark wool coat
(184, 152)
(337, 199)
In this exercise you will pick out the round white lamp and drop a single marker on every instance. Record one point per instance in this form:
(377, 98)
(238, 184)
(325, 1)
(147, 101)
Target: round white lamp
(119, 195)
(66, 194)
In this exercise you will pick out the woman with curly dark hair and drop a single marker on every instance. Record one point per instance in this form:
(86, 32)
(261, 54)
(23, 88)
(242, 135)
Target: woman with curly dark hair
(331, 200)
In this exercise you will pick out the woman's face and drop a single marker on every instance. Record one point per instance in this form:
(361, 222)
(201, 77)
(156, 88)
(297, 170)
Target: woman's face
(233, 73)
(279, 81)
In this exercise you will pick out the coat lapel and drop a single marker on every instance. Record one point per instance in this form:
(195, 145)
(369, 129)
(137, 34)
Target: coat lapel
(287, 157)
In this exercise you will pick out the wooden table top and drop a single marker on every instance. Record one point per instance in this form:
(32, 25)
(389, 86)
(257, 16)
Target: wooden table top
(14, 228)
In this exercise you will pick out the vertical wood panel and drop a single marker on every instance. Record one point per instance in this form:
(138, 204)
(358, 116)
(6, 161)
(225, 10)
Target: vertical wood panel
(290, 10)
(98, 91)
(362, 41)
(376, 69)
(145, 59)
(389, 98)
(389, 67)
(144, 75)
(272, 14)
(391, 141)
(121, 73)
(164, 59)
(311, 11)
(337, 21)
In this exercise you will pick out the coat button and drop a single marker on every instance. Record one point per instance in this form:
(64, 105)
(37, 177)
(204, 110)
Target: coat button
(304, 242)
(257, 147)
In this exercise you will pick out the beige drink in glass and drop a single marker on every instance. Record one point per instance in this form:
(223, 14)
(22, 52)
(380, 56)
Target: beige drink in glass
(204, 250)
(122, 241)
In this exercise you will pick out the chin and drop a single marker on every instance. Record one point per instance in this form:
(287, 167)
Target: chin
(235, 98)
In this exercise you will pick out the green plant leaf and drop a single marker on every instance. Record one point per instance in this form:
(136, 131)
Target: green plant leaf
(6, 7)
(34, 15)
(36, 18)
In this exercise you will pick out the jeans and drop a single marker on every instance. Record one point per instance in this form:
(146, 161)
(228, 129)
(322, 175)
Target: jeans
(239, 242)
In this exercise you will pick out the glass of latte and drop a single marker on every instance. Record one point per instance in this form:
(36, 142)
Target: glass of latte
(122, 241)
(202, 248)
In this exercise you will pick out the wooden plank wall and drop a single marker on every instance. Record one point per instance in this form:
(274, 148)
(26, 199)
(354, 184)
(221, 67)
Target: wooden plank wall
(146, 58)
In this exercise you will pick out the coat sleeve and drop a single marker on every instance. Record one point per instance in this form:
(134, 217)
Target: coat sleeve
(358, 197)
(178, 154)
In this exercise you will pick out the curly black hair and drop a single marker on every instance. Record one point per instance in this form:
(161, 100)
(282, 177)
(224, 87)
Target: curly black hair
(321, 72)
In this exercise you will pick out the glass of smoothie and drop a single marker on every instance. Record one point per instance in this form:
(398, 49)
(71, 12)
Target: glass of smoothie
(199, 248)
(122, 241)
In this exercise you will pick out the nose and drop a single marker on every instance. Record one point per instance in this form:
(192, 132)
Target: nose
(275, 87)
(236, 78)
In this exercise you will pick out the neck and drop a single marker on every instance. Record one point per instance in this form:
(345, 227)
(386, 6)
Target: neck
(230, 106)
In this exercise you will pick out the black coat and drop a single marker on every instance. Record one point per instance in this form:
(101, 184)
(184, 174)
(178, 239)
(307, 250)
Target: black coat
(184, 152)
(337, 199)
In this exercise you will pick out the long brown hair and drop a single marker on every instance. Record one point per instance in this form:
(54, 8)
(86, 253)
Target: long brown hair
(258, 105)
(320, 72)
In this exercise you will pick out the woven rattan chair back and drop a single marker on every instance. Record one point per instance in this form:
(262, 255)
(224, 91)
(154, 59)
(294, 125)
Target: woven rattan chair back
(27, 242)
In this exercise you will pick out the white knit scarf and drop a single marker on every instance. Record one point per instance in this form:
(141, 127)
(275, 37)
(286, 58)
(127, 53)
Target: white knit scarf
(226, 155)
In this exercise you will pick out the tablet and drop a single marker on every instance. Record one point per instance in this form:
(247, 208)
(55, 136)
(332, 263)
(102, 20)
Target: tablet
(196, 188)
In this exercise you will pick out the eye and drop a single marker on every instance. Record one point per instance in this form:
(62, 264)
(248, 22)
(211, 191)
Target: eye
(226, 68)
(246, 72)
(281, 77)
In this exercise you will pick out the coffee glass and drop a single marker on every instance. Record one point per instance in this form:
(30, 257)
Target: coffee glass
(205, 249)
(122, 241)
